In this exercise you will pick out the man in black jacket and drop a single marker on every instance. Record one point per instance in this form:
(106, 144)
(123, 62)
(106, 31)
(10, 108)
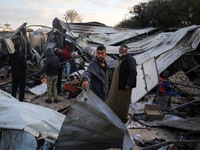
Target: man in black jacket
(51, 67)
(96, 75)
(124, 79)
(18, 66)
(61, 56)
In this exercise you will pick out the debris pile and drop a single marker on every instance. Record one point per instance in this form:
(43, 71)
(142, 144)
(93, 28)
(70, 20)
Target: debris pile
(164, 109)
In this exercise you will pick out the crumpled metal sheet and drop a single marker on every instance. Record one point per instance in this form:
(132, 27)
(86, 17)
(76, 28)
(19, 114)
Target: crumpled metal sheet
(91, 124)
(191, 124)
(31, 118)
(17, 140)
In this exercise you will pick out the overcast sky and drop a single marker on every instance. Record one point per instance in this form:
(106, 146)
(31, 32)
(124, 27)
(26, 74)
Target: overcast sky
(42, 12)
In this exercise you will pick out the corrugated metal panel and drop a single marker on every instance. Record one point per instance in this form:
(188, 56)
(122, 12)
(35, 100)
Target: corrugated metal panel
(165, 45)
(141, 46)
(21, 115)
(85, 28)
(126, 34)
(91, 124)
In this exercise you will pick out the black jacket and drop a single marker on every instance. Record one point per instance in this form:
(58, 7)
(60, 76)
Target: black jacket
(127, 73)
(61, 57)
(51, 64)
(98, 78)
(18, 64)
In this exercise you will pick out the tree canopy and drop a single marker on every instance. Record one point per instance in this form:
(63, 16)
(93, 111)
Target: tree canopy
(166, 13)
(72, 15)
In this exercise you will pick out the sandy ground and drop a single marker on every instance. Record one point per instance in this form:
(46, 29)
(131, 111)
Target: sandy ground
(40, 100)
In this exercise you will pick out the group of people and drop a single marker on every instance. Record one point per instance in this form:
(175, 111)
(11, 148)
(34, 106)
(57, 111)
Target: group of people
(124, 79)
(117, 97)
(52, 68)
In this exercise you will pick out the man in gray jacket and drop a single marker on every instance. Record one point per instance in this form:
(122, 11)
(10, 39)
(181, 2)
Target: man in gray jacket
(96, 75)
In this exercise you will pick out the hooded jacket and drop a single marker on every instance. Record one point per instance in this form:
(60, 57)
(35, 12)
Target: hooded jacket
(51, 64)
(18, 64)
(98, 78)
(66, 52)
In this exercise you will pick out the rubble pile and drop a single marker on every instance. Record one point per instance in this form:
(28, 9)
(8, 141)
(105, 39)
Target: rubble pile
(165, 105)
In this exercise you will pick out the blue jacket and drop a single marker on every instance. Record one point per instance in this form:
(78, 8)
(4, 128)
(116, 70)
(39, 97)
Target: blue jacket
(98, 78)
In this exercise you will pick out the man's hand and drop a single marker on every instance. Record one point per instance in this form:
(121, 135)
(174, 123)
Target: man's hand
(127, 87)
(84, 84)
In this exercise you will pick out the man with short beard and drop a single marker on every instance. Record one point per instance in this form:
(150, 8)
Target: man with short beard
(96, 76)
(124, 79)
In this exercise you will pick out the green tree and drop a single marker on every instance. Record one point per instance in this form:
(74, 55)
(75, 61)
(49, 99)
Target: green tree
(167, 13)
(72, 16)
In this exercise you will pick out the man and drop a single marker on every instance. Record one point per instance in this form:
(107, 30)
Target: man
(61, 56)
(97, 73)
(67, 57)
(18, 66)
(124, 79)
(51, 67)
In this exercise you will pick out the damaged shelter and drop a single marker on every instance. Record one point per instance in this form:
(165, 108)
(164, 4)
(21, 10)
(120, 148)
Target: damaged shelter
(167, 65)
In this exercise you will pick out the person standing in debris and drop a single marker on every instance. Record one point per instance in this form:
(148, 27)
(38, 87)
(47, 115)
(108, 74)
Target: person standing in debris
(97, 73)
(61, 56)
(18, 65)
(124, 79)
(67, 57)
(51, 67)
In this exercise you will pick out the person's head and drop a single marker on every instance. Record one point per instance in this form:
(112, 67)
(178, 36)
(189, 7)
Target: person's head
(123, 49)
(67, 47)
(18, 47)
(101, 53)
(49, 51)
(60, 50)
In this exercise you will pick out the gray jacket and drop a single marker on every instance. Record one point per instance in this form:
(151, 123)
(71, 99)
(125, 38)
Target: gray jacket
(98, 78)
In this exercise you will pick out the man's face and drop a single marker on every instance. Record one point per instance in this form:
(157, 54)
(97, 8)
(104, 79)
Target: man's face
(122, 51)
(101, 54)
(60, 50)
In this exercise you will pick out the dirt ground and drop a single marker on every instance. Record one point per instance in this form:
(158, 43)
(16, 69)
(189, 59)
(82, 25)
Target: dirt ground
(40, 100)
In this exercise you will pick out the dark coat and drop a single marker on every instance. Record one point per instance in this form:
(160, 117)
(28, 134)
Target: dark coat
(18, 64)
(127, 73)
(98, 78)
(51, 64)
(61, 57)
